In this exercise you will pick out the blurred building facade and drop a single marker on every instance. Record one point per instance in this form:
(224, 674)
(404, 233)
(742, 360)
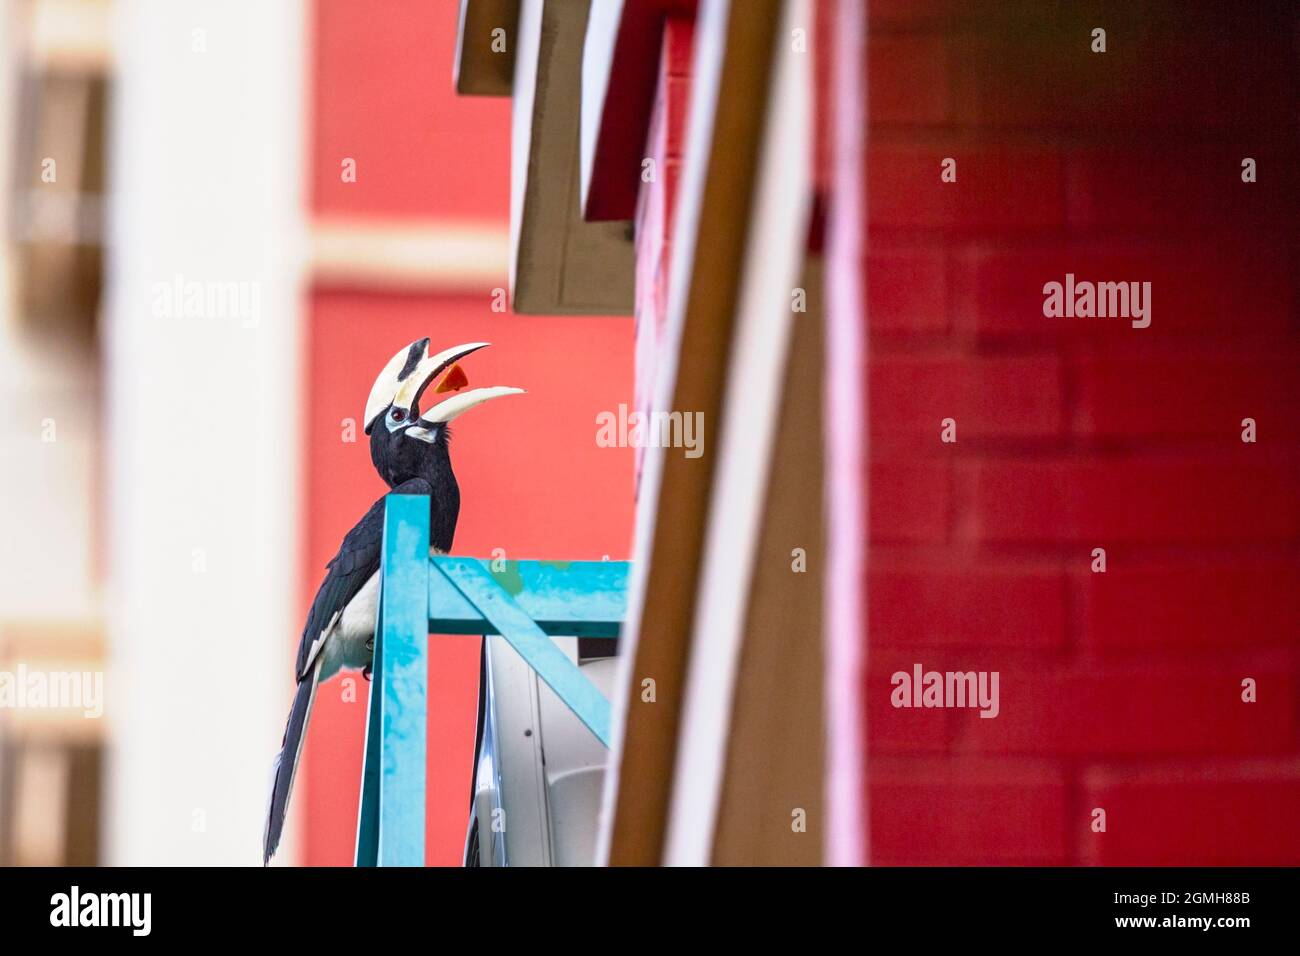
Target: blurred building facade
(52, 598)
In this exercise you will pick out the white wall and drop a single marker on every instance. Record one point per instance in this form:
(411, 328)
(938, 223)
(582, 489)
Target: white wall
(204, 412)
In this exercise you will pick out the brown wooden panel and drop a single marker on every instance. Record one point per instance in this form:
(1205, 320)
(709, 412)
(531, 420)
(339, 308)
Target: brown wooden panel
(743, 41)
(481, 70)
(775, 752)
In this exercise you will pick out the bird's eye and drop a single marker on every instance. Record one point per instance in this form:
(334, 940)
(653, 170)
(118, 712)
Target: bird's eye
(398, 415)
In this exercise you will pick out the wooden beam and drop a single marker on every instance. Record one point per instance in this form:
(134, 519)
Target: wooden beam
(620, 60)
(485, 47)
(745, 446)
(733, 53)
(560, 264)
(771, 807)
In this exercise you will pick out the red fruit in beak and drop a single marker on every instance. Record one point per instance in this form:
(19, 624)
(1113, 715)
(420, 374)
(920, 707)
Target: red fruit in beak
(453, 381)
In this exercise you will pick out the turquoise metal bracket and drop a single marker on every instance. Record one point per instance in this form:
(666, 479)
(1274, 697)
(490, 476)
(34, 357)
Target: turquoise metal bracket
(512, 622)
(523, 601)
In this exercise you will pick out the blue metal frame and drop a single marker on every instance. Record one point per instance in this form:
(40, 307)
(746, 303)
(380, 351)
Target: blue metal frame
(503, 614)
(390, 825)
(523, 601)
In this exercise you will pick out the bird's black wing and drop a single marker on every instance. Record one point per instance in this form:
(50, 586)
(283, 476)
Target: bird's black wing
(347, 573)
(352, 567)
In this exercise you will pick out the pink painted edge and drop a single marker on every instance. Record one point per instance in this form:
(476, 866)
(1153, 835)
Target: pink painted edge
(847, 835)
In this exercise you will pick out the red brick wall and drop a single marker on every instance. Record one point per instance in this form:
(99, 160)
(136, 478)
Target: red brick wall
(1119, 690)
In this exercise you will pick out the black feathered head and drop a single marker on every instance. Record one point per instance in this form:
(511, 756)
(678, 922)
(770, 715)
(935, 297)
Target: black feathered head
(394, 421)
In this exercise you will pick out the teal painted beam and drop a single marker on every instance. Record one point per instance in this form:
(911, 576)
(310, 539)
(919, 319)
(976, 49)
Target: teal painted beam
(391, 824)
(509, 619)
(568, 598)
(523, 601)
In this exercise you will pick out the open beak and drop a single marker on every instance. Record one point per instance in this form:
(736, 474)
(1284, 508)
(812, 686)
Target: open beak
(409, 374)
(451, 378)
(457, 405)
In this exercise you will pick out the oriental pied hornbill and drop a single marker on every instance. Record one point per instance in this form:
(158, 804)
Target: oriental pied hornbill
(410, 451)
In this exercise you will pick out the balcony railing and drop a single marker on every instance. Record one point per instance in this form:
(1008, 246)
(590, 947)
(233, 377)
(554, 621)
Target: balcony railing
(523, 602)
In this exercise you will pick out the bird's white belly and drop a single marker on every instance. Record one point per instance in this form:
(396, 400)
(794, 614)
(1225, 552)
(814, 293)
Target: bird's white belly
(345, 646)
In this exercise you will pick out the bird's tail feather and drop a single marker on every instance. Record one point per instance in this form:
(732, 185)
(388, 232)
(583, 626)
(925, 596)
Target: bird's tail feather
(286, 762)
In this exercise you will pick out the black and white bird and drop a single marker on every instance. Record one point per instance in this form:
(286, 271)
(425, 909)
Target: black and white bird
(410, 451)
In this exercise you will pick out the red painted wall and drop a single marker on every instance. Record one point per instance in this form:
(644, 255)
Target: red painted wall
(1119, 690)
(533, 482)
(383, 96)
